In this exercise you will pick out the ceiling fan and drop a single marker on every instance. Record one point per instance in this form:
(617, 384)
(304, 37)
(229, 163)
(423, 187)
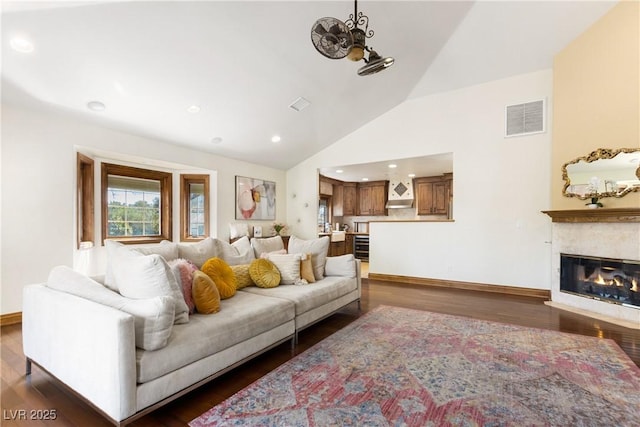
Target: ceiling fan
(336, 40)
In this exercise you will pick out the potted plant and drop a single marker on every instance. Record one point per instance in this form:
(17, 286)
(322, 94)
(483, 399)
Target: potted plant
(279, 228)
(594, 185)
(594, 204)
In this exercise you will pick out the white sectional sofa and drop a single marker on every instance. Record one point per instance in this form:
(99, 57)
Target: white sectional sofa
(93, 339)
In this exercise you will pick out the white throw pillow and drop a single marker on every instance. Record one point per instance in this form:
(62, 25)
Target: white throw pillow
(236, 253)
(318, 249)
(198, 253)
(145, 276)
(289, 267)
(166, 248)
(153, 317)
(238, 230)
(109, 280)
(268, 244)
(343, 265)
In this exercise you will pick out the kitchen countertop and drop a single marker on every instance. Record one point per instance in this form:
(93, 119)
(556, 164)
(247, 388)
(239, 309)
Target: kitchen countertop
(348, 232)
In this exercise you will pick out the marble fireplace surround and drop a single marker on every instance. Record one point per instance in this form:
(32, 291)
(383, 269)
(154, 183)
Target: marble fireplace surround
(607, 233)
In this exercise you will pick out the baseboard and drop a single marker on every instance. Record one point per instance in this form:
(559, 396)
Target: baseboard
(482, 287)
(10, 318)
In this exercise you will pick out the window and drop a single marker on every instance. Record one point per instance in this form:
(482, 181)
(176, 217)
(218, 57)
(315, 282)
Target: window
(194, 207)
(136, 204)
(85, 199)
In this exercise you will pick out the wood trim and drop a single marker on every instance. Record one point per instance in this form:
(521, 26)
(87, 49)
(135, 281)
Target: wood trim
(482, 287)
(595, 215)
(85, 199)
(166, 195)
(185, 181)
(10, 319)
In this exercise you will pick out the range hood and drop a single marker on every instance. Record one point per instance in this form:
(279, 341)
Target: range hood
(400, 194)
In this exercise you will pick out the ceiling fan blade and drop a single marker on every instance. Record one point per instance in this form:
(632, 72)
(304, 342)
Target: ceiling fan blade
(320, 29)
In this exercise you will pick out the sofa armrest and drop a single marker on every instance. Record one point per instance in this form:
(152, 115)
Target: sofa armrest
(88, 346)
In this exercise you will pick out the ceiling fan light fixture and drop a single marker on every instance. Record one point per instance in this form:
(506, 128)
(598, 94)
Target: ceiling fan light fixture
(335, 39)
(356, 53)
(375, 64)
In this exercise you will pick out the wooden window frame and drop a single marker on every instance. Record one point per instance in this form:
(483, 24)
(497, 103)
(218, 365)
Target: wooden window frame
(85, 207)
(185, 181)
(165, 179)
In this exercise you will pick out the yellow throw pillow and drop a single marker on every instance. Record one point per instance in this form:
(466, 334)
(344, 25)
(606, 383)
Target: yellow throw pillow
(222, 275)
(264, 273)
(243, 278)
(306, 269)
(205, 293)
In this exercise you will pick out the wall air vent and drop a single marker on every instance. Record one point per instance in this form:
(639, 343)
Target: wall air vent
(525, 119)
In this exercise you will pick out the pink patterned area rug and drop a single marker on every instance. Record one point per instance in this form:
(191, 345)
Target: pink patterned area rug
(401, 367)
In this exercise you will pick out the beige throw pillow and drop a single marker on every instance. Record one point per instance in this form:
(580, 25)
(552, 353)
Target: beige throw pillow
(289, 267)
(318, 249)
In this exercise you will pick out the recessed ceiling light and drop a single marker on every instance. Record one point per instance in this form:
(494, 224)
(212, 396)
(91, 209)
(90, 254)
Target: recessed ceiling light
(216, 140)
(392, 166)
(96, 106)
(339, 171)
(365, 179)
(411, 175)
(275, 138)
(20, 44)
(193, 109)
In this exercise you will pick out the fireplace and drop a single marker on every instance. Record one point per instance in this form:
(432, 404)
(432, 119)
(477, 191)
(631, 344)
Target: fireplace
(610, 280)
(609, 235)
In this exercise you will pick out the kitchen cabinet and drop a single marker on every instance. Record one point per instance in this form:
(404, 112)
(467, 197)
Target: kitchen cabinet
(348, 244)
(433, 194)
(372, 198)
(349, 198)
(326, 187)
(337, 248)
(338, 200)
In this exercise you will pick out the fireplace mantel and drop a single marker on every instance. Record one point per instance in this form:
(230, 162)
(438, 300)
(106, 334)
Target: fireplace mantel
(595, 215)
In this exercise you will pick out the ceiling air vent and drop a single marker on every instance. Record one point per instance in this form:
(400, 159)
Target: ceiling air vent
(299, 104)
(525, 119)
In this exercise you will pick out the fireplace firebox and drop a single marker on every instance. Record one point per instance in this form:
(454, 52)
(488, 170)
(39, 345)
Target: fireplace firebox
(611, 280)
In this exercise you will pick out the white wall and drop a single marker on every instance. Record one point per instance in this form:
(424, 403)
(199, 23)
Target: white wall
(38, 191)
(500, 186)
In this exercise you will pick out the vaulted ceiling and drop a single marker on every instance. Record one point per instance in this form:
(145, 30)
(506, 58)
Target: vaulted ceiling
(244, 62)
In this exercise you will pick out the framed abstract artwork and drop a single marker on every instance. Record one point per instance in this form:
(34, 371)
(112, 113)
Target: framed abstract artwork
(255, 199)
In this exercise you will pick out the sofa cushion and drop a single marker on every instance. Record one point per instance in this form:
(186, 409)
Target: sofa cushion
(318, 249)
(145, 276)
(167, 249)
(264, 273)
(241, 317)
(222, 275)
(205, 294)
(289, 267)
(236, 253)
(153, 317)
(243, 278)
(308, 297)
(343, 265)
(238, 229)
(200, 252)
(267, 244)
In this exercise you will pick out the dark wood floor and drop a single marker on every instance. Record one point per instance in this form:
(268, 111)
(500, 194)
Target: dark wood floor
(46, 394)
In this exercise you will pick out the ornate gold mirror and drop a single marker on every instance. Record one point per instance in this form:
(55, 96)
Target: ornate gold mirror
(603, 173)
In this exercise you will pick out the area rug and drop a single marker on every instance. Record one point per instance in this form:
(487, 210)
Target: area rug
(401, 367)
